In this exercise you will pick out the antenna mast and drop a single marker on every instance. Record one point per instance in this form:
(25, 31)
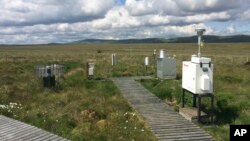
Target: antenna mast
(200, 32)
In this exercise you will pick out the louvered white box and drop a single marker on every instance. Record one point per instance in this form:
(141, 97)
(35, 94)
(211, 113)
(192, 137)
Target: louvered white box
(197, 75)
(166, 68)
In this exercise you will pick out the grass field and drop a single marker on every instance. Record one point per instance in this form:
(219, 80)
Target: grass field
(81, 109)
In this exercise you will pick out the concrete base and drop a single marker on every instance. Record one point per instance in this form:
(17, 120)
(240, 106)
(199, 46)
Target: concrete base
(190, 113)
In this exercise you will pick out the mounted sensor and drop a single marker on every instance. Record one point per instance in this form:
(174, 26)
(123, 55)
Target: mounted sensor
(200, 32)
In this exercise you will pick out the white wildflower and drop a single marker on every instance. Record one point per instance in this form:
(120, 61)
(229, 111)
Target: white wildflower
(11, 106)
(2, 106)
(133, 114)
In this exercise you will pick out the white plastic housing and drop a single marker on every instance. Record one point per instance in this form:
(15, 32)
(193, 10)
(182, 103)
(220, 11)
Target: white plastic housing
(91, 69)
(200, 31)
(146, 61)
(162, 54)
(205, 84)
(166, 68)
(203, 60)
(197, 78)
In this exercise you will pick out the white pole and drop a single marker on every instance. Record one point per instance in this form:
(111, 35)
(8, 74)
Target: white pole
(146, 61)
(113, 58)
(199, 44)
(162, 55)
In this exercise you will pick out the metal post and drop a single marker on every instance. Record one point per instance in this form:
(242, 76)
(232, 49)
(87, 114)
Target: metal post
(199, 44)
(154, 55)
(87, 70)
(199, 108)
(194, 100)
(183, 97)
(212, 108)
(200, 32)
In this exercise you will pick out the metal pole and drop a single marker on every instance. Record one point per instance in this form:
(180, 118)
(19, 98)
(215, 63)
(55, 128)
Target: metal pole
(183, 97)
(194, 100)
(212, 108)
(154, 55)
(199, 44)
(199, 108)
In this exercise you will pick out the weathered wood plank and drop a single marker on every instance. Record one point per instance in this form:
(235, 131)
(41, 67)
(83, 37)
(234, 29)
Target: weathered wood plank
(164, 122)
(27, 134)
(13, 130)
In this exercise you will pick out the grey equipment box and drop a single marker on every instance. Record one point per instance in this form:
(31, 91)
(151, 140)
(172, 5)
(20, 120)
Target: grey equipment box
(166, 68)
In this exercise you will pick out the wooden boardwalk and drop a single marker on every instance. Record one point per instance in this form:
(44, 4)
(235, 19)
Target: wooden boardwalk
(165, 123)
(13, 130)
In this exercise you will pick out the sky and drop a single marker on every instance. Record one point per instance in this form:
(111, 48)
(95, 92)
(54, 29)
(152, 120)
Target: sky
(61, 21)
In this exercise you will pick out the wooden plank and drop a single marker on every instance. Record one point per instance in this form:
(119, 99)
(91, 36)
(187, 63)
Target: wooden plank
(47, 137)
(179, 130)
(25, 134)
(190, 138)
(13, 130)
(34, 135)
(19, 131)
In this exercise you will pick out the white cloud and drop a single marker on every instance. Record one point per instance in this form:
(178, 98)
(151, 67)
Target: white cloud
(207, 5)
(24, 12)
(208, 17)
(231, 29)
(145, 7)
(117, 17)
(45, 21)
(245, 15)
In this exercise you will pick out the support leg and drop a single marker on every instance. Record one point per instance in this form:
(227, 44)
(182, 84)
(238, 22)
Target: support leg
(183, 97)
(212, 108)
(194, 100)
(199, 109)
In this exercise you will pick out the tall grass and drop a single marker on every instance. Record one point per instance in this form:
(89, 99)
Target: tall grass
(81, 109)
(77, 109)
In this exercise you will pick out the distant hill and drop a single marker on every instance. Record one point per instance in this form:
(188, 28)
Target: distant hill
(192, 39)
(213, 39)
(125, 41)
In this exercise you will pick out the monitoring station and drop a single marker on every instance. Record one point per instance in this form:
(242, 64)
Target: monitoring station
(197, 77)
(166, 66)
(113, 59)
(49, 73)
(90, 70)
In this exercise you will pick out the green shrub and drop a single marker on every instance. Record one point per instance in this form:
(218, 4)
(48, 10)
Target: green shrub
(226, 111)
(231, 79)
(177, 91)
(71, 64)
(159, 88)
(99, 51)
